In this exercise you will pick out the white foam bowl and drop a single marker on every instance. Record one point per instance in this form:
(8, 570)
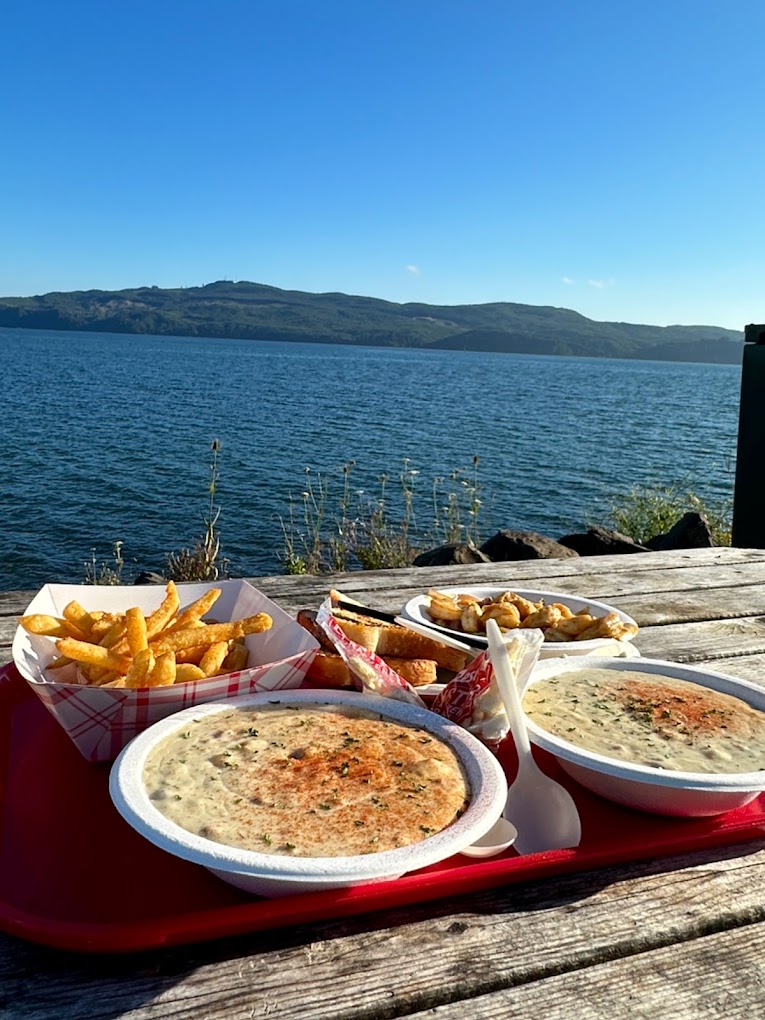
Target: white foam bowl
(659, 791)
(416, 609)
(272, 875)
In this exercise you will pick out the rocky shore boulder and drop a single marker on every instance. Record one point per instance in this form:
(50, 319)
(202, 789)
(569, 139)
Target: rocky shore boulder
(150, 577)
(524, 545)
(692, 531)
(450, 554)
(600, 542)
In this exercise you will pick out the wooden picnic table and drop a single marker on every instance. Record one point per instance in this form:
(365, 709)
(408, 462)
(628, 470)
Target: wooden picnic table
(682, 937)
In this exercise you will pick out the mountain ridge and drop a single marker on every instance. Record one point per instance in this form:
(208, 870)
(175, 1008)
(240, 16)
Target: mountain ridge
(245, 310)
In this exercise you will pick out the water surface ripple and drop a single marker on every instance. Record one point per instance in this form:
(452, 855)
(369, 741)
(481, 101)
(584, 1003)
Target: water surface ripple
(107, 437)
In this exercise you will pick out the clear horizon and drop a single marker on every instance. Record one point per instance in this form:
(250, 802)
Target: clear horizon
(602, 160)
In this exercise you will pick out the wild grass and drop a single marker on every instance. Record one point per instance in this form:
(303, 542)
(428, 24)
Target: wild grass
(334, 526)
(645, 511)
(203, 561)
(104, 572)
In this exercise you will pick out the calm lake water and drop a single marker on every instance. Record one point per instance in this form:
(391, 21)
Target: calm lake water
(107, 437)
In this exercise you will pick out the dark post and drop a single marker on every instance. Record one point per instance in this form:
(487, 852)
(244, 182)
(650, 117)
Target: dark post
(749, 491)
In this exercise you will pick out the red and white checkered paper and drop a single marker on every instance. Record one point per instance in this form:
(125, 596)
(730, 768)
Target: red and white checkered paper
(101, 721)
(472, 699)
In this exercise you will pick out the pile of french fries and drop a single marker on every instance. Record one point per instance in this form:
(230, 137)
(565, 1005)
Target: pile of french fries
(169, 646)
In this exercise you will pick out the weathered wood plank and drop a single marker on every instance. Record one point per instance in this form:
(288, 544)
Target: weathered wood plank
(717, 592)
(414, 579)
(722, 975)
(409, 960)
(706, 641)
(746, 667)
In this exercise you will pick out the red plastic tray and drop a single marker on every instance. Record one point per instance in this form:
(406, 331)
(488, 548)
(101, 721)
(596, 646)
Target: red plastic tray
(75, 876)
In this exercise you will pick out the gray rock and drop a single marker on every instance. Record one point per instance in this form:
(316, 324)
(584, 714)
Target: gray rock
(447, 555)
(600, 542)
(149, 577)
(523, 545)
(692, 531)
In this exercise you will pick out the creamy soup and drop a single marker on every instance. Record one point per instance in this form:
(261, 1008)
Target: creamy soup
(313, 781)
(650, 719)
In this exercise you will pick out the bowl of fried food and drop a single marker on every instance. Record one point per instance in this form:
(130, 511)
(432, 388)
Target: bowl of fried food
(303, 791)
(107, 662)
(571, 625)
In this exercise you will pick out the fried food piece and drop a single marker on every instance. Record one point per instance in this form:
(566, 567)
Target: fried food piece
(443, 607)
(547, 616)
(575, 625)
(208, 634)
(609, 626)
(50, 626)
(77, 615)
(163, 674)
(162, 616)
(505, 613)
(212, 660)
(136, 631)
(524, 606)
(194, 613)
(187, 671)
(236, 658)
(140, 667)
(94, 655)
(470, 618)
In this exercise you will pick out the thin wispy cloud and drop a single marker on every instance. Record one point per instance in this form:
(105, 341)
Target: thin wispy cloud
(601, 283)
(414, 270)
(568, 280)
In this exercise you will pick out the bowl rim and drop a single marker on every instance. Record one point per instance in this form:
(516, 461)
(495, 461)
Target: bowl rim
(485, 775)
(413, 610)
(719, 782)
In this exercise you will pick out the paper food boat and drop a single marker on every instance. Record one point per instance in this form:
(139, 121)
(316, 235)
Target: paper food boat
(101, 720)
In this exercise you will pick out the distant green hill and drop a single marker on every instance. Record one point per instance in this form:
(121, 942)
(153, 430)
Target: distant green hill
(254, 311)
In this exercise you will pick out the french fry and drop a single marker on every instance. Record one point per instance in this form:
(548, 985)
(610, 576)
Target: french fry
(47, 626)
(161, 617)
(80, 618)
(140, 668)
(236, 659)
(195, 611)
(163, 673)
(187, 671)
(256, 624)
(190, 656)
(113, 637)
(192, 636)
(212, 660)
(135, 627)
(94, 655)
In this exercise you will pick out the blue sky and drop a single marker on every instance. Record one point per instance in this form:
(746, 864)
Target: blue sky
(605, 156)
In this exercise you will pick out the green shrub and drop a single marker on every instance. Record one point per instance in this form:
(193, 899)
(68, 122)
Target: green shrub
(645, 511)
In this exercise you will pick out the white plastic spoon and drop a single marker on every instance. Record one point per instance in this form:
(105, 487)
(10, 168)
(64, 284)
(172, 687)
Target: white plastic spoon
(542, 811)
